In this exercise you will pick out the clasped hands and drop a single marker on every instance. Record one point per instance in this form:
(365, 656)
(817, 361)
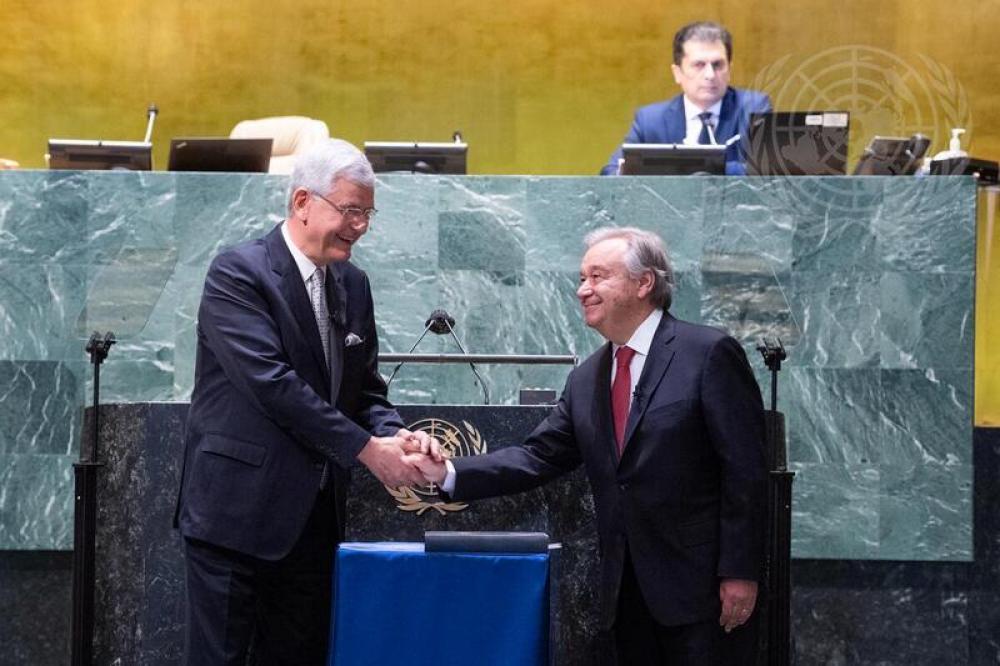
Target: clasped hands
(405, 459)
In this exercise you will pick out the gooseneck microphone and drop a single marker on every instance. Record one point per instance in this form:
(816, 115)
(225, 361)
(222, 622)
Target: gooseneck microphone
(150, 119)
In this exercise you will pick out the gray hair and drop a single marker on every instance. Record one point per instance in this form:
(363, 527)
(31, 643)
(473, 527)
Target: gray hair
(702, 31)
(323, 164)
(645, 251)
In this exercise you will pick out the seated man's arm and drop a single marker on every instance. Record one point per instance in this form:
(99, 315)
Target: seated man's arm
(634, 135)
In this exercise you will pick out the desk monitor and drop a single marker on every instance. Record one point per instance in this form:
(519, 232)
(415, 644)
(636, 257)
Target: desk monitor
(892, 156)
(798, 143)
(89, 155)
(401, 156)
(212, 154)
(670, 159)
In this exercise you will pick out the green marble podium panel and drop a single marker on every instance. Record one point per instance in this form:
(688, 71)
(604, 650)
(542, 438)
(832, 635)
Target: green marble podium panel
(868, 281)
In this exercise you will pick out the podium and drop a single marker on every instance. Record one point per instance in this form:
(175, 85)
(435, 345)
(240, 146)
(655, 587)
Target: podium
(396, 604)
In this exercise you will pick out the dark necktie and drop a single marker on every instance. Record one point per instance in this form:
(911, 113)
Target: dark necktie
(705, 138)
(620, 394)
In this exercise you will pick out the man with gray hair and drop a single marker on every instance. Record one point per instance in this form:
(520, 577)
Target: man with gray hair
(708, 110)
(287, 397)
(668, 422)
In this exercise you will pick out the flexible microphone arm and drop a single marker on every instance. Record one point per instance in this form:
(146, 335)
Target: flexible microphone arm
(440, 323)
(151, 118)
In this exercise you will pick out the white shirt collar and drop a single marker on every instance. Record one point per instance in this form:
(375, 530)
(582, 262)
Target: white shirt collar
(306, 267)
(692, 111)
(642, 338)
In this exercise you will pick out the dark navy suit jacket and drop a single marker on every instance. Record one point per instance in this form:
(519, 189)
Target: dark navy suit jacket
(664, 122)
(263, 409)
(687, 497)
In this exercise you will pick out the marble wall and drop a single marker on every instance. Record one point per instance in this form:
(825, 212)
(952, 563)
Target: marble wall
(868, 281)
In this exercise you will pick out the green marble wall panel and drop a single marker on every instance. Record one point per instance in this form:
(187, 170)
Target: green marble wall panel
(868, 281)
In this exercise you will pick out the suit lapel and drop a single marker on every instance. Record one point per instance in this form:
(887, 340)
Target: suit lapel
(661, 353)
(337, 302)
(675, 122)
(728, 116)
(293, 290)
(601, 405)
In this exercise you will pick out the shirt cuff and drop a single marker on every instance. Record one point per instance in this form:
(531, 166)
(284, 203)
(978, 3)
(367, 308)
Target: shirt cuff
(448, 485)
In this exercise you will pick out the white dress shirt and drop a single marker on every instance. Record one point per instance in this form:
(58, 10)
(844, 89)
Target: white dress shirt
(691, 113)
(306, 267)
(640, 341)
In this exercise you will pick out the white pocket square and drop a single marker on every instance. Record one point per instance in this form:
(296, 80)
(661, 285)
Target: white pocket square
(353, 339)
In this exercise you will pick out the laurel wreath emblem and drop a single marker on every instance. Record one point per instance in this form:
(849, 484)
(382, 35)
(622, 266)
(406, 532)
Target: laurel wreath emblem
(456, 441)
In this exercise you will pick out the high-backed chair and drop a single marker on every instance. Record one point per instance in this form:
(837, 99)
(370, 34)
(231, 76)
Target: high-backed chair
(291, 134)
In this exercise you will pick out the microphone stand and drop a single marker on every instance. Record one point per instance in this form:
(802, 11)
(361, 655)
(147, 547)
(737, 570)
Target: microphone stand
(440, 323)
(85, 516)
(779, 525)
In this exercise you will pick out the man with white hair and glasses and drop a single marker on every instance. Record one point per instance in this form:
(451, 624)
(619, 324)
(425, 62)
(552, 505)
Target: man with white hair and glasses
(287, 397)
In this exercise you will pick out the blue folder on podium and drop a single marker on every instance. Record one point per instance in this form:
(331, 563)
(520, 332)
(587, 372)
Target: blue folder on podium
(396, 603)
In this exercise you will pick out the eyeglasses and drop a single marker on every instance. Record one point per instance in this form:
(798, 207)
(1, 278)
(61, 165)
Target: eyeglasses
(352, 214)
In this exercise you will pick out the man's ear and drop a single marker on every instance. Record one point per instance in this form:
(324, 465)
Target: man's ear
(676, 71)
(300, 203)
(646, 284)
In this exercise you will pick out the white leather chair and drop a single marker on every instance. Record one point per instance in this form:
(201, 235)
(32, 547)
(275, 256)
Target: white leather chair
(291, 134)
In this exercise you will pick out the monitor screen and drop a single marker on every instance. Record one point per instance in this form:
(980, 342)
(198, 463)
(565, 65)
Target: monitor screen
(389, 156)
(798, 143)
(100, 155)
(669, 159)
(892, 156)
(220, 154)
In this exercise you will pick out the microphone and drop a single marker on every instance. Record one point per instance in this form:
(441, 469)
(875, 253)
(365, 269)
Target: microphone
(151, 118)
(637, 397)
(456, 136)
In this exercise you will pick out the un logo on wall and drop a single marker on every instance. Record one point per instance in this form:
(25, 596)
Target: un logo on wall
(885, 94)
(457, 441)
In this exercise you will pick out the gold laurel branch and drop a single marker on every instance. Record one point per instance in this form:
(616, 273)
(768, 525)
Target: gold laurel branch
(410, 501)
(476, 442)
(952, 96)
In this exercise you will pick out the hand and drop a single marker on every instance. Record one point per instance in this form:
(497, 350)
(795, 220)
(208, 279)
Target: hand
(434, 471)
(421, 442)
(738, 599)
(388, 460)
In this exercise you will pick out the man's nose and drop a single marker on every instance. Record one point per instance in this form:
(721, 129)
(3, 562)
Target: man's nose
(583, 290)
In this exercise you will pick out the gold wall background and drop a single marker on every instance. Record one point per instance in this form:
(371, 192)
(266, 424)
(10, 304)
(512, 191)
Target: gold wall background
(536, 86)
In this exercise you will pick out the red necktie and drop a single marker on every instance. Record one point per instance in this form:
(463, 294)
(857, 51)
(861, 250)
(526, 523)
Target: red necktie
(620, 390)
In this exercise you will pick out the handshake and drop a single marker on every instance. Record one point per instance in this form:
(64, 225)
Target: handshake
(405, 459)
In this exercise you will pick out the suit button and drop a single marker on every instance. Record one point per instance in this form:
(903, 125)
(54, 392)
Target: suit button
(318, 465)
(623, 487)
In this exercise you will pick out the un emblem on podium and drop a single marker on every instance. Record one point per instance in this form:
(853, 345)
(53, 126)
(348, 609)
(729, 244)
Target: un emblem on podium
(457, 441)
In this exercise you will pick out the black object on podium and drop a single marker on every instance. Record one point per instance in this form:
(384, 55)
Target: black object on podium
(776, 650)
(85, 517)
(485, 542)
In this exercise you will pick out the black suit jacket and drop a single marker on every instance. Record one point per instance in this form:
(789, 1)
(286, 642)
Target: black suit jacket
(687, 497)
(266, 415)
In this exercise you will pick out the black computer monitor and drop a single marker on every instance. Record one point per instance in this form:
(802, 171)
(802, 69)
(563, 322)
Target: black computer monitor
(399, 156)
(220, 154)
(100, 155)
(798, 143)
(892, 156)
(670, 159)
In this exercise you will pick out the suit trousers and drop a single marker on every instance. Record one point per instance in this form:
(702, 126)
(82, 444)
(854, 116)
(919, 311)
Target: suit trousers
(245, 610)
(641, 641)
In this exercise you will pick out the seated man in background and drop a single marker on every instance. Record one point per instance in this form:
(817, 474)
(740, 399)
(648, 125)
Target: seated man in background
(708, 111)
